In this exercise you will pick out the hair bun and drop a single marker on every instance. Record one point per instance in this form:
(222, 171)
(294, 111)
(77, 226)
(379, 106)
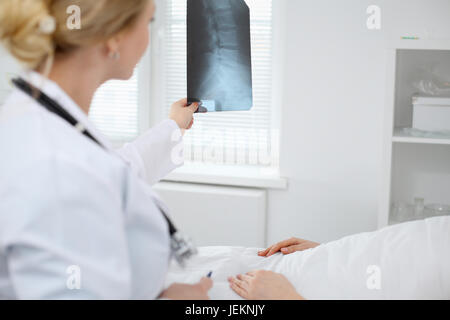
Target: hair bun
(26, 30)
(34, 30)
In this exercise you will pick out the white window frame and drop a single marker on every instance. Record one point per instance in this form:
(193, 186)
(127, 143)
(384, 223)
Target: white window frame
(144, 91)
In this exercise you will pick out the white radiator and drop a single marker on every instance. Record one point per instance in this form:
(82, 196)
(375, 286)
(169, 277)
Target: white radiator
(215, 215)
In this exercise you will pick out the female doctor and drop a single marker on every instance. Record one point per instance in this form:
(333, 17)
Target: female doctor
(77, 219)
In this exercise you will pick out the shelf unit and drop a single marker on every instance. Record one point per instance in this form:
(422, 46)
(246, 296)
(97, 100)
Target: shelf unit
(412, 166)
(401, 137)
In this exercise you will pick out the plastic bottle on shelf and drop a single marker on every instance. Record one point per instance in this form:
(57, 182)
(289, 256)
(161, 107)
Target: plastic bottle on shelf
(419, 206)
(400, 212)
(435, 210)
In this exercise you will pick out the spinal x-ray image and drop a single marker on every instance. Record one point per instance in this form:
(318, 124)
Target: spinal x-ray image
(219, 55)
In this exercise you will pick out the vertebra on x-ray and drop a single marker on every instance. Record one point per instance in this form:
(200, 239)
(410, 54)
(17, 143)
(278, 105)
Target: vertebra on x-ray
(219, 55)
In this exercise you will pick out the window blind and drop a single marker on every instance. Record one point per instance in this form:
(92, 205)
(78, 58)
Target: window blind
(115, 109)
(244, 138)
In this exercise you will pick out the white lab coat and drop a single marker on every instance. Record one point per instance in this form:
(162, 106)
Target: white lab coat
(67, 205)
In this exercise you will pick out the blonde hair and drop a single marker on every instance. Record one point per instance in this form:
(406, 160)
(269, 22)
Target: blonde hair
(100, 20)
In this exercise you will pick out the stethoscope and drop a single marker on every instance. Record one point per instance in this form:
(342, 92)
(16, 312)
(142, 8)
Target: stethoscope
(182, 247)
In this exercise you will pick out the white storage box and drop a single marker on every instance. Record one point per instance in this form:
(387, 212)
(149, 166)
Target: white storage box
(431, 113)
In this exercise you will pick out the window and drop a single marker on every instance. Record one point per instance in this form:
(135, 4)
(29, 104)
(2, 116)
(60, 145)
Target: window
(122, 109)
(244, 138)
(115, 109)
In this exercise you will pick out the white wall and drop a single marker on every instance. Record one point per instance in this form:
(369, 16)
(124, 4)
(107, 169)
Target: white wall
(335, 71)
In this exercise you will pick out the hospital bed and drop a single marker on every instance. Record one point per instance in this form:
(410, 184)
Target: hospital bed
(405, 261)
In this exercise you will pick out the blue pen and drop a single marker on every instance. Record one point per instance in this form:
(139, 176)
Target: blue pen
(209, 274)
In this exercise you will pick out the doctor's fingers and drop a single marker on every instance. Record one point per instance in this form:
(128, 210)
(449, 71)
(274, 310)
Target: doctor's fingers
(182, 102)
(194, 107)
(206, 283)
(200, 289)
(190, 125)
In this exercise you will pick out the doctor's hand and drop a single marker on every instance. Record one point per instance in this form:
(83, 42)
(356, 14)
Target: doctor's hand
(183, 114)
(263, 285)
(180, 291)
(288, 246)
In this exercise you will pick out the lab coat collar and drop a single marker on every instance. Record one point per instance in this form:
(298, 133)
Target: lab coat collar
(54, 91)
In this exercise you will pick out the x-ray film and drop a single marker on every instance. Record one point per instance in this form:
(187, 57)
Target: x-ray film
(219, 72)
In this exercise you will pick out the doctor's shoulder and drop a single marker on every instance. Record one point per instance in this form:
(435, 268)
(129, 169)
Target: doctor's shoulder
(34, 139)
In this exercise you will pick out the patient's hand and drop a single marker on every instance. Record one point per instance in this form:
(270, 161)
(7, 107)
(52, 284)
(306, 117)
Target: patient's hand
(263, 285)
(288, 246)
(180, 291)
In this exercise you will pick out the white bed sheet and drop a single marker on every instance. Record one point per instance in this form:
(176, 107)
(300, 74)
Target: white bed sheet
(413, 259)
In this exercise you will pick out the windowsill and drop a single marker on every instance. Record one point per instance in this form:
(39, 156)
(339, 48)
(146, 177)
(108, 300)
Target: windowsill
(238, 176)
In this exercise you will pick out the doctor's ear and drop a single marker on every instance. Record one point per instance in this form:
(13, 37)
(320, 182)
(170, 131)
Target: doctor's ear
(112, 47)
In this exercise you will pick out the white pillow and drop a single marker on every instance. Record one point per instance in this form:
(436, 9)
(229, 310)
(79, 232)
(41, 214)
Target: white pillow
(405, 261)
